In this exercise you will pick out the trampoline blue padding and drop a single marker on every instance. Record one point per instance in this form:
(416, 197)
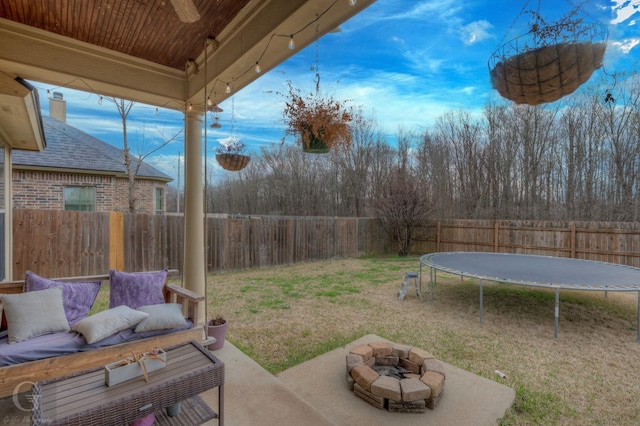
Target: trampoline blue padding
(539, 271)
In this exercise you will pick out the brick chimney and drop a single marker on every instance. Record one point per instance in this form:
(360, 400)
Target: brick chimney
(58, 107)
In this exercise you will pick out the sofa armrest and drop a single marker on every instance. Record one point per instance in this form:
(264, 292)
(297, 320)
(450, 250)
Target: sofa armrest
(187, 298)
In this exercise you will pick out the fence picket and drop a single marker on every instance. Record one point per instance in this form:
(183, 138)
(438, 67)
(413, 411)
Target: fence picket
(609, 242)
(57, 243)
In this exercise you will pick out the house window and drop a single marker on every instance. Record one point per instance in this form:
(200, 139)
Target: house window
(159, 201)
(80, 198)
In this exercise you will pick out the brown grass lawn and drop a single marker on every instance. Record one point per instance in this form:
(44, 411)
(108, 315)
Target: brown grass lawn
(588, 375)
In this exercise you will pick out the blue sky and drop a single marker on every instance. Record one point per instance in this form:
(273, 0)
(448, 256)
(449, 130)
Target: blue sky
(405, 62)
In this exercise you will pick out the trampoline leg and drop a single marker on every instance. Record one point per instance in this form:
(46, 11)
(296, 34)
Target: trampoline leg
(420, 280)
(481, 303)
(432, 282)
(557, 311)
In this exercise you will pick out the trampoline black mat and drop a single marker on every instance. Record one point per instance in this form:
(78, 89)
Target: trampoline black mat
(534, 270)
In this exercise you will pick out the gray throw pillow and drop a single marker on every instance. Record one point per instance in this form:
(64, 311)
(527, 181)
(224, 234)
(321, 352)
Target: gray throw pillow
(106, 323)
(34, 313)
(161, 317)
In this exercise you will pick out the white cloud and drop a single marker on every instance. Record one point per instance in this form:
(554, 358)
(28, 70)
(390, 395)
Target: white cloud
(624, 9)
(626, 45)
(475, 32)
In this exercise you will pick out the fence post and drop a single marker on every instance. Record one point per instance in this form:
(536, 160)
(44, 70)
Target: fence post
(573, 239)
(496, 245)
(116, 240)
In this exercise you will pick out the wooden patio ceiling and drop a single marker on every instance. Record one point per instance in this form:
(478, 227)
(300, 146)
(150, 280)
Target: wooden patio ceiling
(141, 50)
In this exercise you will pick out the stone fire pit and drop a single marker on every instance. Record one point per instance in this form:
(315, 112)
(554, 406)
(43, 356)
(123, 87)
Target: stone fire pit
(395, 377)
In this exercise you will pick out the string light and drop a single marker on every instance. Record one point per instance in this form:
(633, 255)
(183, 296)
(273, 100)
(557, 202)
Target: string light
(257, 68)
(209, 101)
(157, 111)
(291, 44)
(352, 2)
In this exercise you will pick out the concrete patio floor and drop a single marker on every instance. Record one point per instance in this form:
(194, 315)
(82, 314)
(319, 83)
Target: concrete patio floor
(316, 393)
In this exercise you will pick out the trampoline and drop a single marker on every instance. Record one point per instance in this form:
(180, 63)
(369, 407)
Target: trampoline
(537, 271)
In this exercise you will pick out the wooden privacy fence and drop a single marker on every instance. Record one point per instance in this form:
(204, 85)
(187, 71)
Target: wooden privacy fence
(56, 243)
(615, 242)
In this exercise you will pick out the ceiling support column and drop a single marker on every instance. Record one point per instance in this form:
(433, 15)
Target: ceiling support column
(194, 253)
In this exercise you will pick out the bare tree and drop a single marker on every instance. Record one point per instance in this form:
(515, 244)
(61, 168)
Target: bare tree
(405, 203)
(132, 161)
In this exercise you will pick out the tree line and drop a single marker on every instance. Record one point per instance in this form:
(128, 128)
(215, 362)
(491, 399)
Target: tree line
(578, 159)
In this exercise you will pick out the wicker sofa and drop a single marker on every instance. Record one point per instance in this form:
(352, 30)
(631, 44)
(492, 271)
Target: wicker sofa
(19, 377)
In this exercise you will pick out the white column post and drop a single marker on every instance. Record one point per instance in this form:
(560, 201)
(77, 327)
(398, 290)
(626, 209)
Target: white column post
(194, 273)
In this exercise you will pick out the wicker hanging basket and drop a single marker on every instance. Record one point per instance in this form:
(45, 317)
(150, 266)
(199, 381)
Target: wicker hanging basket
(233, 162)
(548, 63)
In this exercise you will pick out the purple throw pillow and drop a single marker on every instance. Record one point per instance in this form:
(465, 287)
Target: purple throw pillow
(136, 289)
(77, 297)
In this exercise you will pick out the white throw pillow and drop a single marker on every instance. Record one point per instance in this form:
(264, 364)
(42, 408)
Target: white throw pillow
(34, 313)
(106, 323)
(161, 317)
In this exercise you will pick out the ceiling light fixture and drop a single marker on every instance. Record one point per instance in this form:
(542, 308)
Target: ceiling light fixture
(186, 10)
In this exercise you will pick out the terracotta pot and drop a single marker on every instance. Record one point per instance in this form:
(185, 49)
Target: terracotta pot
(219, 332)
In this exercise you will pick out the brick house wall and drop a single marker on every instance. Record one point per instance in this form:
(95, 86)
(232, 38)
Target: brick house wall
(45, 190)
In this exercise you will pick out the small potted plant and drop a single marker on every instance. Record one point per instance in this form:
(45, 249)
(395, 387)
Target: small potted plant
(230, 154)
(319, 122)
(217, 328)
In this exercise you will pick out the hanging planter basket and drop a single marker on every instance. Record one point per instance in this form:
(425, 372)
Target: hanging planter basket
(548, 63)
(233, 162)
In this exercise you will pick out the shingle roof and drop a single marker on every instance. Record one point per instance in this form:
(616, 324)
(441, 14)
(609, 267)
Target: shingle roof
(70, 148)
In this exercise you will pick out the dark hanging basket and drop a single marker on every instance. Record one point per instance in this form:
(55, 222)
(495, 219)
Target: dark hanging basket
(549, 63)
(233, 162)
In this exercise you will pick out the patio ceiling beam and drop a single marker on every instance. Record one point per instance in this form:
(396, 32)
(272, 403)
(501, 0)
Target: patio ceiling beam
(38, 55)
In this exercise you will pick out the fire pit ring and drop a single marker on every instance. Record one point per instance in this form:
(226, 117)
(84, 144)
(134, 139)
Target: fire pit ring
(395, 377)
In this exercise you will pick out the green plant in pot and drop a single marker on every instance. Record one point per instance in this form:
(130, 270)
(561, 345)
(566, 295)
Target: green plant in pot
(318, 122)
(217, 328)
